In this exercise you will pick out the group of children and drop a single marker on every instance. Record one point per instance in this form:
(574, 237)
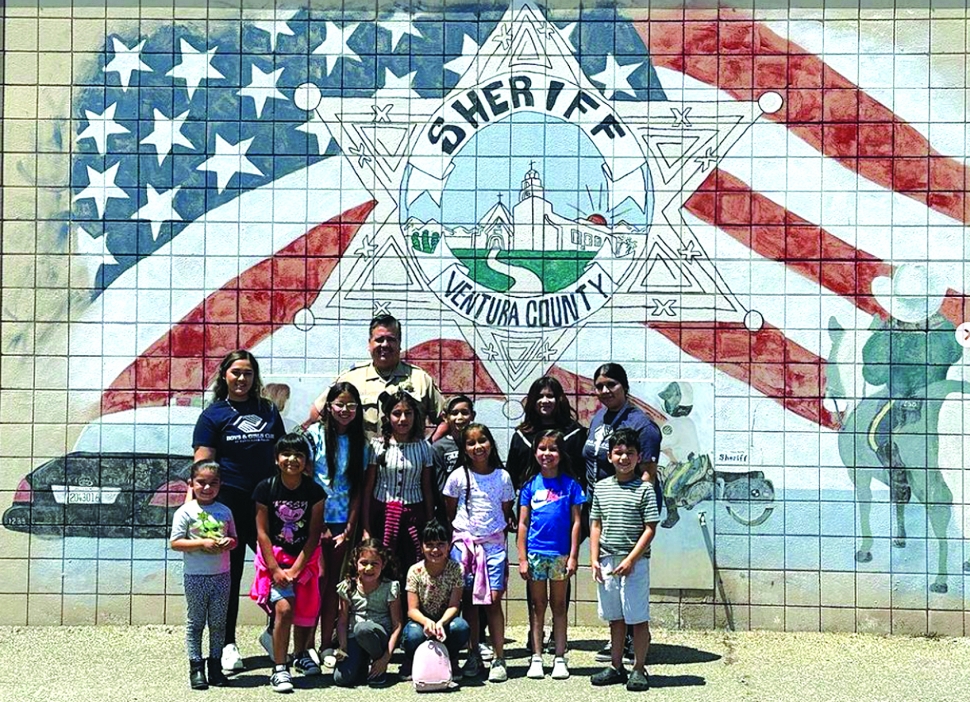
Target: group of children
(424, 568)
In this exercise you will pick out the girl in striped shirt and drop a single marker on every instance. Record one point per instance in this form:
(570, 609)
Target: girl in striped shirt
(398, 499)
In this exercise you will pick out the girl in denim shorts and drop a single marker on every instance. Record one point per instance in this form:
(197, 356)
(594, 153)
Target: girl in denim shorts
(549, 534)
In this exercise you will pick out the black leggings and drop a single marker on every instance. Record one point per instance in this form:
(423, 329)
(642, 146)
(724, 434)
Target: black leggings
(243, 509)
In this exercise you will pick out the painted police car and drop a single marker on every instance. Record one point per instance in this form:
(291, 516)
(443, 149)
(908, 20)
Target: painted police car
(125, 476)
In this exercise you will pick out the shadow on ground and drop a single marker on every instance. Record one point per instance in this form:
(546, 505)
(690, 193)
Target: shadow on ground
(665, 654)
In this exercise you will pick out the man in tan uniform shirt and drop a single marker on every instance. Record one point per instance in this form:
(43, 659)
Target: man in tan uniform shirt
(386, 373)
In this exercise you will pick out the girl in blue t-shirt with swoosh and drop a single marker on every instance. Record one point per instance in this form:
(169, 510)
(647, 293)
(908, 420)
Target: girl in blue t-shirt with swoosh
(548, 540)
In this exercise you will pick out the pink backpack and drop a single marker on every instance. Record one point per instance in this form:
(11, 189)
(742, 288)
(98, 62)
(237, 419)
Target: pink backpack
(431, 668)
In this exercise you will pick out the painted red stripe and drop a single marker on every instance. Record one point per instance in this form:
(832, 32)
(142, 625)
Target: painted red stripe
(745, 59)
(455, 367)
(241, 314)
(775, 233)
(767, 360)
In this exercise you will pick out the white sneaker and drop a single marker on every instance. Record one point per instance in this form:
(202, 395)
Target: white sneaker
(485, 652)
(560, 671)
(328, 659)
(232, 661)
(497, 672)
(535, 669)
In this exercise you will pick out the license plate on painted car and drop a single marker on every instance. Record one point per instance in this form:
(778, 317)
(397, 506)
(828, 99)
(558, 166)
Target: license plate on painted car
(79, 495)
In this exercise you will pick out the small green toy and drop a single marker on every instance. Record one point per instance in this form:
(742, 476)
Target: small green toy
(209, 527)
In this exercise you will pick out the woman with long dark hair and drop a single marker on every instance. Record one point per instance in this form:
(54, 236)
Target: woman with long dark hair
(238, 429)
(546, 407)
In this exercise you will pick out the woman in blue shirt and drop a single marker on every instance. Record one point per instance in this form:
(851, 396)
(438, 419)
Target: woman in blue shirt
(617, 412)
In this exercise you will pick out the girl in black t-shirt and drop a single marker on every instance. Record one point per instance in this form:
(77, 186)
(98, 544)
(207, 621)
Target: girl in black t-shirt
(289, 520)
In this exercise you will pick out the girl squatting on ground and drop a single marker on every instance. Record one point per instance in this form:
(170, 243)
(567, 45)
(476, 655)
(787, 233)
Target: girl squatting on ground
(289, 521)
(549, 533)
(479, 497)
(204, 531)
(434, 590)
(369, 621)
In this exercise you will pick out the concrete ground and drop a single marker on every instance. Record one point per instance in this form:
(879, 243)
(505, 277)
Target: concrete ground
(146, 664)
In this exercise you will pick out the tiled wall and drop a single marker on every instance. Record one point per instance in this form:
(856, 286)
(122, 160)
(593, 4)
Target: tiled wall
(761, 216)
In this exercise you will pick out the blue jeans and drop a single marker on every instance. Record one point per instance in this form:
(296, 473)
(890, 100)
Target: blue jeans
(457, 633)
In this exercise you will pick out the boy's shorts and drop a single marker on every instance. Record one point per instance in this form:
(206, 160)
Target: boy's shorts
(543, 567)
(626, 597)
(496, 565)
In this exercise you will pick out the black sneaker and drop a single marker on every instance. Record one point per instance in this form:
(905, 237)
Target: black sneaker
(304, 664)
(638, 682)
(605, 654)
(609, 676)
(377, 680)
(280, 680)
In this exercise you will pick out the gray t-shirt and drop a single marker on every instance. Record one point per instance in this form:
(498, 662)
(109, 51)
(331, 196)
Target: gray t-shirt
(373, 607)
(623, 510)
(195, 521)
(445, 456)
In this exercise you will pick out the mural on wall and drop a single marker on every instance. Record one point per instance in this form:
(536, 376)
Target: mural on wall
(771, 248)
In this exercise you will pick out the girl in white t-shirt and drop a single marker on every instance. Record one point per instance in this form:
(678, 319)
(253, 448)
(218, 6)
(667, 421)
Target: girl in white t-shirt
(479, 498)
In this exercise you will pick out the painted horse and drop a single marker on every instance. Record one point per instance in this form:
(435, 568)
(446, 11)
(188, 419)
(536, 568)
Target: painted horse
(915, 446)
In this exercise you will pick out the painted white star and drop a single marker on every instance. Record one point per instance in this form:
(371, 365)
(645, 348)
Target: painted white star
(195, 66)
(126, 61)
(567, 32)
(469, 54)
(318, 128)
(229, 160)
(262, 87)
(101, 187)
(159, 208)
(396, 87)
(94, 250)
(100, 127)
(275, 24)
(166, 134)
(616, 78)
(335, 46)
(399, 24)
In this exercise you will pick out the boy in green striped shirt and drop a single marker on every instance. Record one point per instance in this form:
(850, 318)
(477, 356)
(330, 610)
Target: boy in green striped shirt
(623, 520)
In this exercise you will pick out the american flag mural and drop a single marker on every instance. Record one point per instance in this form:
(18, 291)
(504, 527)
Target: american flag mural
(760, 215)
